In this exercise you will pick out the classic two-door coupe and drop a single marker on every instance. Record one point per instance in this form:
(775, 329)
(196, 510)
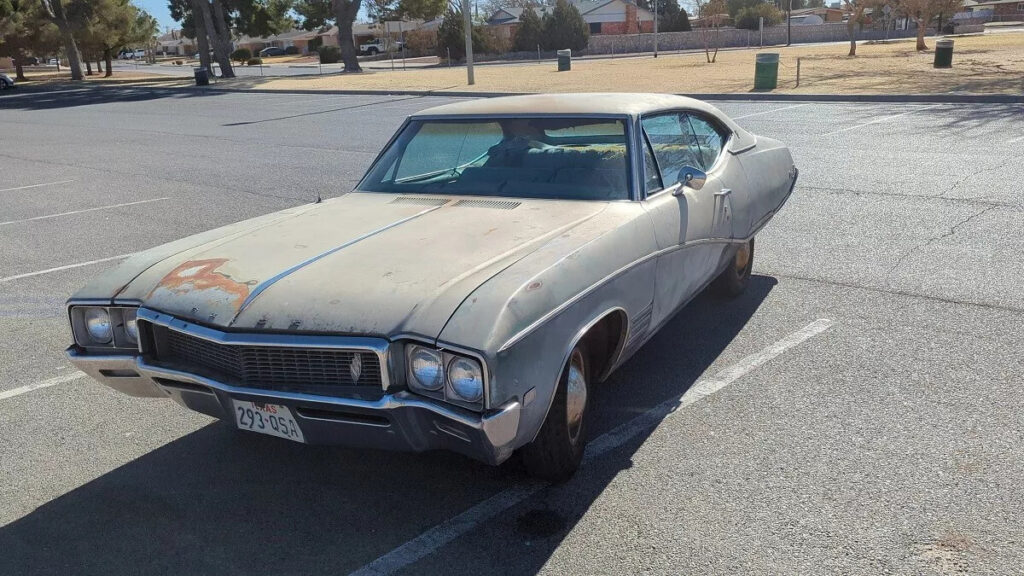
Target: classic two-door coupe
(498, 259)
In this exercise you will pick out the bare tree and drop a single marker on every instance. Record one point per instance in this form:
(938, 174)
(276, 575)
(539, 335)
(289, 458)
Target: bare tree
(54, 10)
(856, 10)
(711, 14)
(219, 33)
(922, 12)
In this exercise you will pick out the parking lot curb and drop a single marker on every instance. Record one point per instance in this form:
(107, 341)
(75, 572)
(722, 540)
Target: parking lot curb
(752, 96)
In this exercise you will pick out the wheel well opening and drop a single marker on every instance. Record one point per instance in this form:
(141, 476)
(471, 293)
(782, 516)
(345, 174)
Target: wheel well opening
(603, 341)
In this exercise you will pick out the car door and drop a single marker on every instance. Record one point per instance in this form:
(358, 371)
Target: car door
(688, 222)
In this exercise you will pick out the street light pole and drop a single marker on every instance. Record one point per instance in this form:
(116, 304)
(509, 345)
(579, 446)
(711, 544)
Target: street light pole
(468, 24)
(789, 24)
(655, 28)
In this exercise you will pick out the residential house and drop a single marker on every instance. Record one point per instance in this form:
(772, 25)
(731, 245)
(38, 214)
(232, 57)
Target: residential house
(826, 14)
(297, 38)
(175, 43)
(602, 16)
(363, 32)
(998, 10)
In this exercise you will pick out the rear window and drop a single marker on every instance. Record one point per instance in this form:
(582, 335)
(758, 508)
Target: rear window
(557, 158)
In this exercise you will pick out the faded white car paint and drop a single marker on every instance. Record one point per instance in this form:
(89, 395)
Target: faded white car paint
(513, 282)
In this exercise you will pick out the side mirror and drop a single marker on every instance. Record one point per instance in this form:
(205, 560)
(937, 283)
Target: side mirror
(692, 177)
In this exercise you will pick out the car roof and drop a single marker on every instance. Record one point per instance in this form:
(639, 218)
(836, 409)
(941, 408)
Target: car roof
(584, 104)
(602, 103)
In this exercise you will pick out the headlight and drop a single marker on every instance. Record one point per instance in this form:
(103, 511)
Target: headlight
(426, 369)
(466, 379)
(131, 325)
(97, 324)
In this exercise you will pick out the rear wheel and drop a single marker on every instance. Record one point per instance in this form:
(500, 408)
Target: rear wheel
(734, 279)
(557, 451)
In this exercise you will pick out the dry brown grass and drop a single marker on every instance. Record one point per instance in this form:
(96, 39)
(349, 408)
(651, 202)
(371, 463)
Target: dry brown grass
(136, 78)
(989, 63)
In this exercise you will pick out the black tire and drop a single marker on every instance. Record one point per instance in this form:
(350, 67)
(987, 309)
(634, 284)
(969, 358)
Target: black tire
(557, 452)
(372, 51)
(734, 279)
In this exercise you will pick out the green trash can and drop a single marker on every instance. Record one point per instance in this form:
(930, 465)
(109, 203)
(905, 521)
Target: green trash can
(944, 53)
(766, 71)
(564, 60)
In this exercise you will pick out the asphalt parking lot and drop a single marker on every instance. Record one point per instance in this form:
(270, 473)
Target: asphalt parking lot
(858, 411)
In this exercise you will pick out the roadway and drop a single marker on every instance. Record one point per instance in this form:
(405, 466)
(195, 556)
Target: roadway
(857, 411)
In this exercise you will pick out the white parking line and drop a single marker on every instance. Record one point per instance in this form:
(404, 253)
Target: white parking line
(442, 534)
(36, 186)
(65, 267)
(770, 111)
(4, 395)
(81, 211)
(877, 120)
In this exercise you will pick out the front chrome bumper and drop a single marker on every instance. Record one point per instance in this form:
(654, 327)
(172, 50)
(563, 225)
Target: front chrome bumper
(399, 421)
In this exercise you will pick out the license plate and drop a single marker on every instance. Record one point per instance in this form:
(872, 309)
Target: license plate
(272, 419)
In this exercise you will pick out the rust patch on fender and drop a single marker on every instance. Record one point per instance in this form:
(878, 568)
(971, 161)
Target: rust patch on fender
(202, 277)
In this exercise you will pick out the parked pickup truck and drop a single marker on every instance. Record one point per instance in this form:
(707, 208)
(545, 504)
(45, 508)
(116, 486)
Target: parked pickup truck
(378, 45)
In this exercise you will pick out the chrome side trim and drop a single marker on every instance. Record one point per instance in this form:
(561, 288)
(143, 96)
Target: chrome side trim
(281, 275)
(377, 346)
(590, 289)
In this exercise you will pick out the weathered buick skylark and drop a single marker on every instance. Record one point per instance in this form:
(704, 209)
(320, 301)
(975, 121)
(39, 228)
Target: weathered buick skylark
(498, 259)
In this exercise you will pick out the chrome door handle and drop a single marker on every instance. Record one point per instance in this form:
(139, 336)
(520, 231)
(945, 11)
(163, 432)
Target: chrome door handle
(724, 192)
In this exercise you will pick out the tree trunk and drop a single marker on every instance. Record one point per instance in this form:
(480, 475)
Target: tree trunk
(99, 64)
(110, 62)
(215, 30)
(88, 67)
(202, 41)
(345, 12)
(921, 29)
(851, 31)
(19, 70)
(54, 10)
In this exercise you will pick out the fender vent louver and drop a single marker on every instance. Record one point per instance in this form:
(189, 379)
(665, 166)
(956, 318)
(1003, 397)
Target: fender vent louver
(494, 204)
(419, 201)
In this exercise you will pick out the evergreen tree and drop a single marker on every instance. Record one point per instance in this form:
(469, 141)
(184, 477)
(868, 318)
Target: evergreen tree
(564, 27)
(530, 32)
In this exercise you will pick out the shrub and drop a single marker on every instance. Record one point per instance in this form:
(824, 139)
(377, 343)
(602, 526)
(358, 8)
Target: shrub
(254, 61)
(178, 62)
(315, 43)
(749, 18)
(564, 27)
(241, 55)
(530, 33)
(291, 50)
(329, 54)
(451, 36)
(421, 42)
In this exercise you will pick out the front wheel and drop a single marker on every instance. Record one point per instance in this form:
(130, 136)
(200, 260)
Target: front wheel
(557, 451)
(734, 279)
(372, 51)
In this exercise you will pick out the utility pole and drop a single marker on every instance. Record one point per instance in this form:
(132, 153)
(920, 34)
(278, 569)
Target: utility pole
(468, 24)
(789, 24)
(655, 28)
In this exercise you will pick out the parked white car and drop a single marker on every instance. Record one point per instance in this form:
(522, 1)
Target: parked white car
(379, 45)
(6, 82)
(132, 54)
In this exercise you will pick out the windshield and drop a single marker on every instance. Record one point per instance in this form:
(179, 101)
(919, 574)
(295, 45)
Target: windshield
(556, 158)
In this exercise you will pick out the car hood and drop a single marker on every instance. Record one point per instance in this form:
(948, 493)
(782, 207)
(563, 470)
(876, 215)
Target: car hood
(370, 264)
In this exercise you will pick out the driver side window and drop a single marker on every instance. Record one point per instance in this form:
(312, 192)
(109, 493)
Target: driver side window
(673, 143)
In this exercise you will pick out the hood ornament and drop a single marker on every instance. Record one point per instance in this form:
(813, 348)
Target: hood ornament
(355, 367)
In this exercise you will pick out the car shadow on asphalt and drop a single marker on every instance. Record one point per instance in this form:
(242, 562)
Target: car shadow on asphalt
(222, 501)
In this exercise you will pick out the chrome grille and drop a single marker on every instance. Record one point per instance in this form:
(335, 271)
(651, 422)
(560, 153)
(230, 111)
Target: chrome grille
(313, 370)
